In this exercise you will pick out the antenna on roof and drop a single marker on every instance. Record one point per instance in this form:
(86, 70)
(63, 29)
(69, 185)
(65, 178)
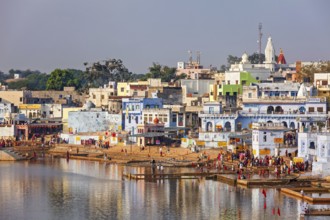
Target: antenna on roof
(259, 41)
(198, 57)
(190, 56)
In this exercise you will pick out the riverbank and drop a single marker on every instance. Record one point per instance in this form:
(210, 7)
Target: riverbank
(131, 155)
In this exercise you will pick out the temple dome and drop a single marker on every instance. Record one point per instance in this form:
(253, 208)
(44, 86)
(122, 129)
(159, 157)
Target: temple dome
(302, 92)
(245, 58)
(281, 58)
(156, 120)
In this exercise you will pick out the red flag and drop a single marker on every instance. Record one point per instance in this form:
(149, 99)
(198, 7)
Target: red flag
(273, 210)
(265, 205)
(278, 211)
(264, 192)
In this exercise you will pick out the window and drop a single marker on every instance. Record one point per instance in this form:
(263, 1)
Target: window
(311, 109)
(122, 89)
(21, 99)
(211, 110)
(174, 118)
(228, 82)
(102, 97)
(312, 145)
(94, 97)
(236, 82)
(250, 95)
(150, 117)
(319, 109)
(145, 118)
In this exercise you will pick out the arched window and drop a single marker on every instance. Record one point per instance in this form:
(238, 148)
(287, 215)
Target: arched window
(292, 125)
(270, 109)
(285, 124)
(209, 126)
(278, 109)
(227, 126)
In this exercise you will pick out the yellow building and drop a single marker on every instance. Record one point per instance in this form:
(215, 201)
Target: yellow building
(123, 89)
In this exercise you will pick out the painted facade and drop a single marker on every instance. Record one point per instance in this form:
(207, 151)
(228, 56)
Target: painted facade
(100, 96)
(132, 111)
(41, 110)
(164, 115)
(6, 108)
(88, 121)
(272, 139)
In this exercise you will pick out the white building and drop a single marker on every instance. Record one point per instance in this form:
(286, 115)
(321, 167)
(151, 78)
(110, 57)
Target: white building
(6, 108)
(321, 79)
(164, 116)
(314, 146)
(272, 139)
(88, 121)
(215, 126)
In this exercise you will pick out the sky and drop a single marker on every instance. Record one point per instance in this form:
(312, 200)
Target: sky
(48, 34)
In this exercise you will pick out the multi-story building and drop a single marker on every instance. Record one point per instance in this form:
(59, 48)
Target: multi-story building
(272, 139)
(6, 108)
(16, 97)
(41, 110)
(132, 111)
(100, 96)
(313, 145)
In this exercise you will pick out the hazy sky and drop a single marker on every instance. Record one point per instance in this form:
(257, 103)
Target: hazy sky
(49, 34)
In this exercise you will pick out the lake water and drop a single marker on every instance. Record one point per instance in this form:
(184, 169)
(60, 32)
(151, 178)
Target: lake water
(57, 189)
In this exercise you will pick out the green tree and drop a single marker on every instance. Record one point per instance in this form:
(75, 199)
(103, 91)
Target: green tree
(60, 78)
(254, 58)
(233, 59)
(307, 72)
(223, 68)
(166, 73)
(100, 73)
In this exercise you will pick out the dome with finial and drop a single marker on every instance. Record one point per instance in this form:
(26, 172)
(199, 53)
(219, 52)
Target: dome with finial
(302, 92)
(281, 58)
(156, 120)
(245, 58)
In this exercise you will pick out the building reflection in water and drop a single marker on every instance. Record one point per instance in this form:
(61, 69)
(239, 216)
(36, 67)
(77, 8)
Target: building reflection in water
(57, 189)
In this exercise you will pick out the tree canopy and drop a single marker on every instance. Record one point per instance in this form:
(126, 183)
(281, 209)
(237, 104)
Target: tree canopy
(166, 73)
(253, 58)
(307, 72)
(60, 78)
(100, 73)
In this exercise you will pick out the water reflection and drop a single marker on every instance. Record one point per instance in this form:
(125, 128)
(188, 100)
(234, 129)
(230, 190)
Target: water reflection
(57, 189)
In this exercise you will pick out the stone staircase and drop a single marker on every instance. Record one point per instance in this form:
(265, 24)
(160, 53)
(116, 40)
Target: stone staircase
(10, 154)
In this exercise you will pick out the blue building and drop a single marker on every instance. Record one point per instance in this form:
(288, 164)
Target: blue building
(288, 104)
(132, 111)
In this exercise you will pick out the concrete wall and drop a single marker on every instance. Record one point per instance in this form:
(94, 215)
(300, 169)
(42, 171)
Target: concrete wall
(88, 121)
(4, 156)
(6, 131)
